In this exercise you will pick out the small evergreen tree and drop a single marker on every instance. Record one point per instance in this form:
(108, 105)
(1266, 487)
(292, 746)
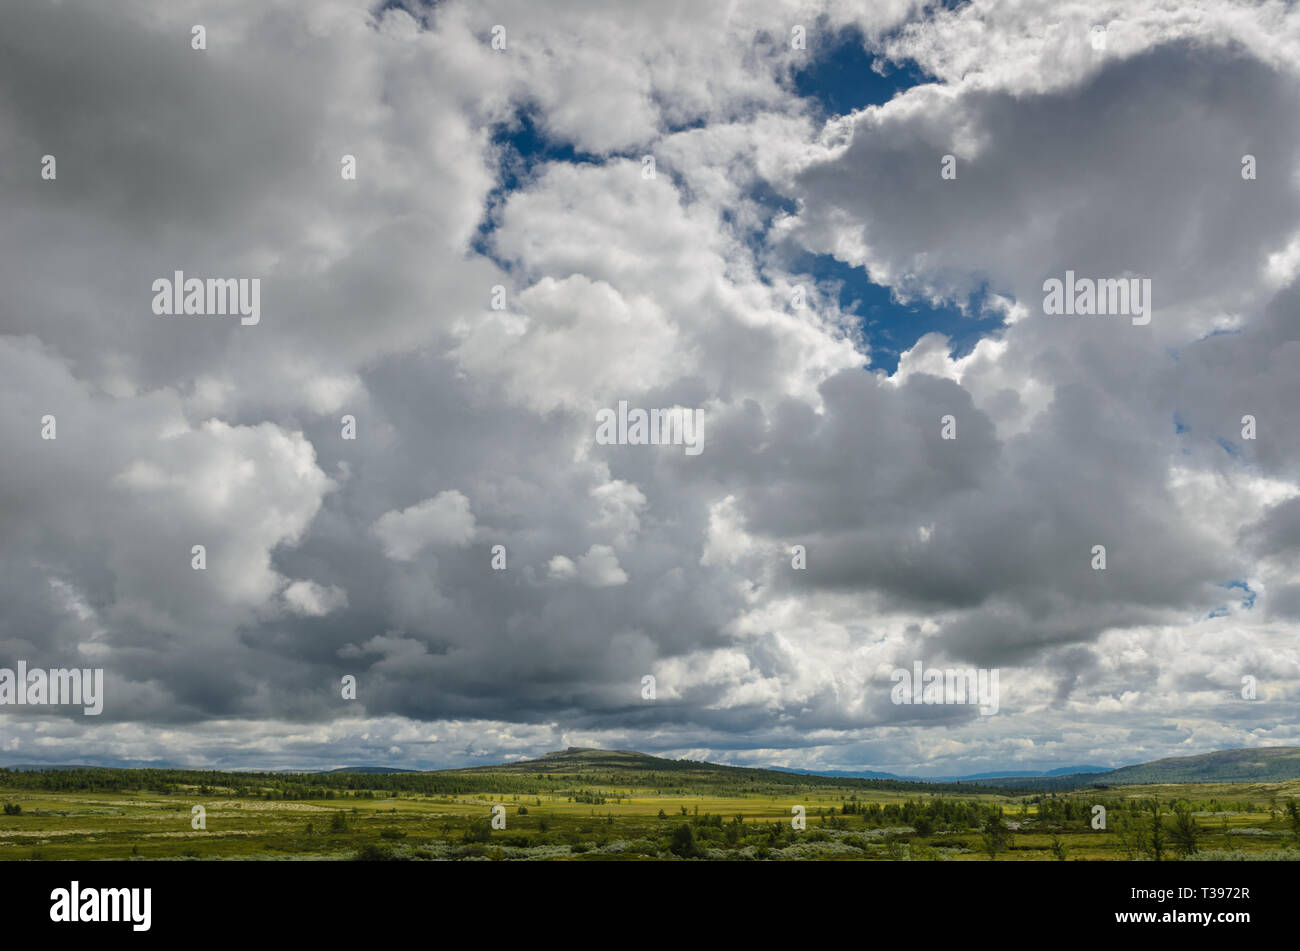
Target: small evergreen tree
(480, 830)
(1293, 814)
(1185, 831)
(683, 844)
(1155, 838)
(996, 836)
(1058, 849)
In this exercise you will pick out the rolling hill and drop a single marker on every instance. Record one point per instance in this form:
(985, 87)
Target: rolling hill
(1272, 764)
(1266, 764)
(632, 767)
(629, 767)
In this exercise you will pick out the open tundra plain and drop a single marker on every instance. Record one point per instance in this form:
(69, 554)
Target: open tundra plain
(608, 806)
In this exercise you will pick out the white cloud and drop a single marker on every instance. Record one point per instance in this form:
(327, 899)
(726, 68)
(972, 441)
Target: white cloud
(314, 600)
(445, 519)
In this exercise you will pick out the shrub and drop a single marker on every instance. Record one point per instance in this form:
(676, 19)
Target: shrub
(480, 830)
(373, 852)
(683, 843)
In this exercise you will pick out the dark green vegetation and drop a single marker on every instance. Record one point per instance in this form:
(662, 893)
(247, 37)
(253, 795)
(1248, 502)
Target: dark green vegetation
(620, 805)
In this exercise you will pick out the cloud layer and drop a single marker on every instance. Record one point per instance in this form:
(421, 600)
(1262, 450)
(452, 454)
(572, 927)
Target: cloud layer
(503, 266)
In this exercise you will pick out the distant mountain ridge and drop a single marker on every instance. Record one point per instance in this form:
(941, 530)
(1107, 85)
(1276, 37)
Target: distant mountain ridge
(965, 777)
(840, 773)
(48, 767)
(1258, 765)
(1266, 764)
(373, 770)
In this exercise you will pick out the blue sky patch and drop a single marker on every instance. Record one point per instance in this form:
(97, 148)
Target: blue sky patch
(420, 10)
(523, 147)
(891, 327)
(1248, 598)
(1219, 333)
(841, 80)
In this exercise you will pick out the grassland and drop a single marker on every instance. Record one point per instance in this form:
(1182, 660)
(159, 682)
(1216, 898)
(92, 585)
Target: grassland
(593, 810)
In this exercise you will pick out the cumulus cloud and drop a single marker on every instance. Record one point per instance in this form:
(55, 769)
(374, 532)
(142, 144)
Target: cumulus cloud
(445, 519)
(314, 600)
(598, 568)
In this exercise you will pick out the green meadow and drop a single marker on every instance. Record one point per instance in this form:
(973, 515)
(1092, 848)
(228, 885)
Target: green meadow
(599, 809)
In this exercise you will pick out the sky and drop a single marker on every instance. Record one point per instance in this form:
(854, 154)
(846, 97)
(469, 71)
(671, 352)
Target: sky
(503, 267)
